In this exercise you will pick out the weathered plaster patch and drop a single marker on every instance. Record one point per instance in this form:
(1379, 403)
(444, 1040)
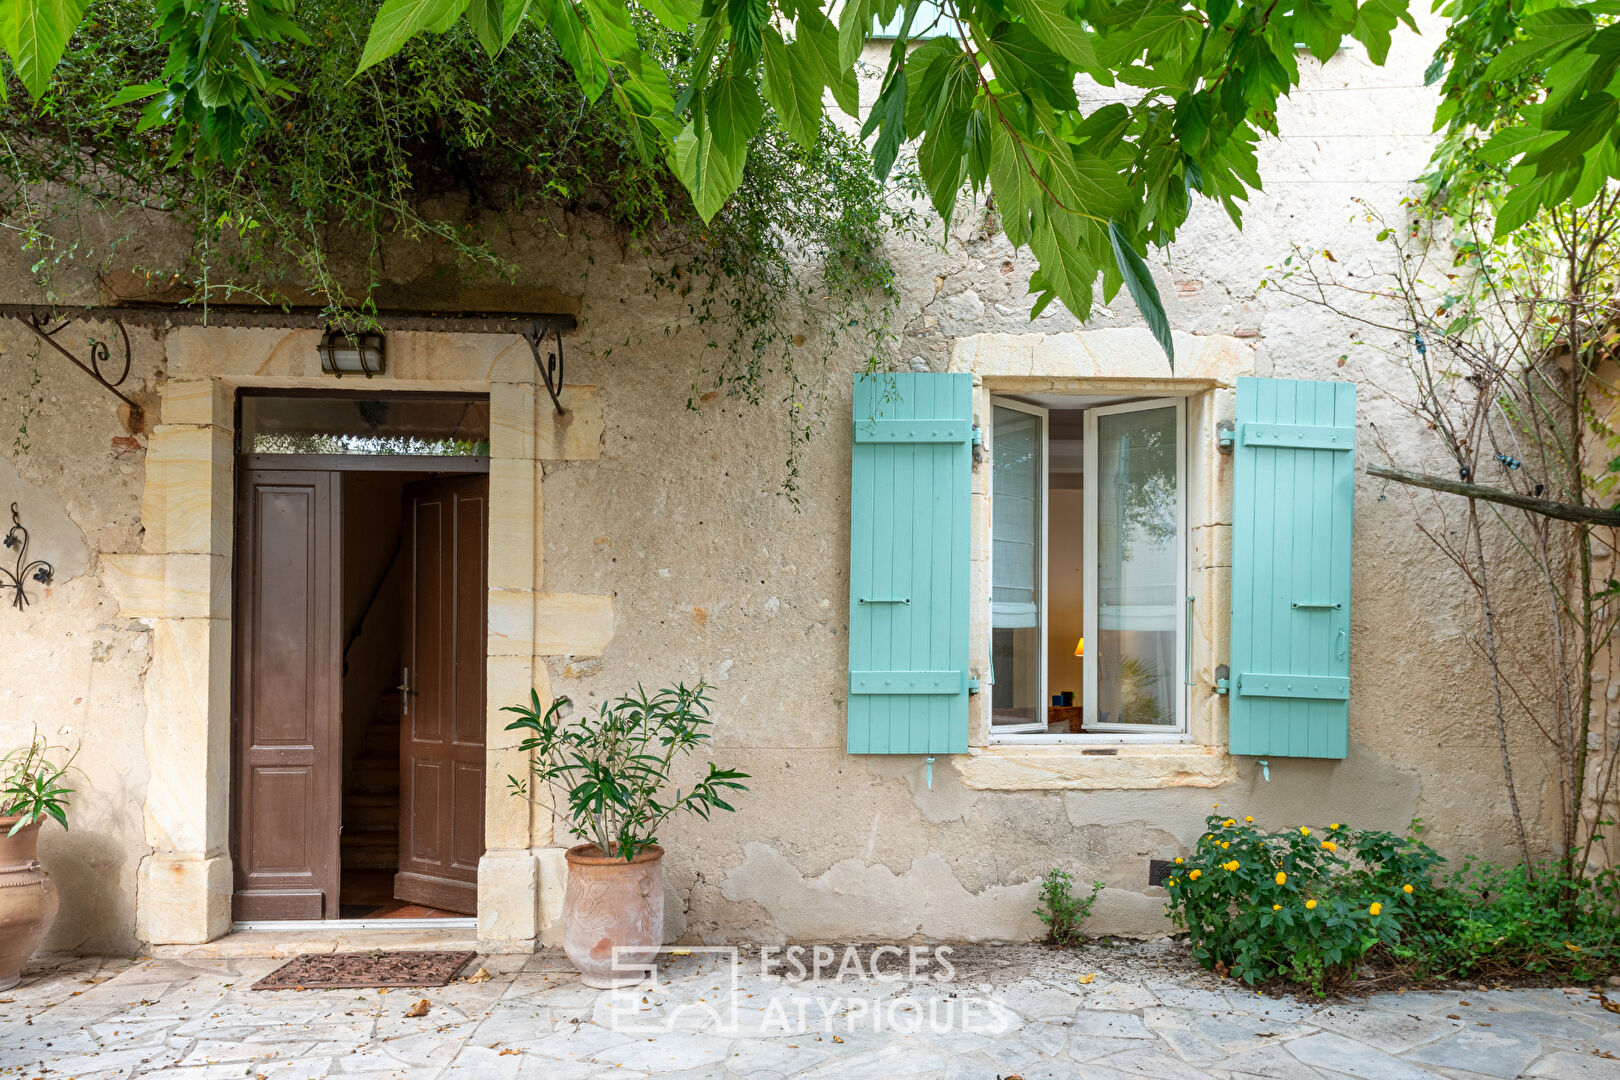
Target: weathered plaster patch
(926, 901)
(1008, 767)
(52, 535)
(946, 800)
(1363, 790)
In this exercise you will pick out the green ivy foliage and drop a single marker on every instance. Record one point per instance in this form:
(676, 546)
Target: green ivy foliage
(1530, 108)
(991, 104)
(457, 150)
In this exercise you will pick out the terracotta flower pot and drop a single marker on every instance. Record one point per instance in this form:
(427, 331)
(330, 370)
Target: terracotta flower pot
(28, 900)
(612, 904)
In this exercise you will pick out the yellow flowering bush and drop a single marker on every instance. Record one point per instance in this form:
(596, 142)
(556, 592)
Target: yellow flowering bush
(1290, 906)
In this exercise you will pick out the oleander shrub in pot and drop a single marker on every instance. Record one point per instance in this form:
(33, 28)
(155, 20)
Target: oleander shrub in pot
(613, 769)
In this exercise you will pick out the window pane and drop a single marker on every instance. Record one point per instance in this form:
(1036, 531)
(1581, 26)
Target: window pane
(403, 424)
(1137, 531)
(1016, 568)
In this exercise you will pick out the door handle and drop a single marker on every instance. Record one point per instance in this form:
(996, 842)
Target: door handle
(405, 693)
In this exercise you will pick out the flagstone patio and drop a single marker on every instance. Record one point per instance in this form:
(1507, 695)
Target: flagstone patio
(1094, 1014)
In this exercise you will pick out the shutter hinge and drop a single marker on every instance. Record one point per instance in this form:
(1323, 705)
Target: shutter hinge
(978, 445)
(1223, 679)
(973, 686)
(1225, 436)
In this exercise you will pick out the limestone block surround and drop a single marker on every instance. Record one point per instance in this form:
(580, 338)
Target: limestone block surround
(1123, 361)
(180, 583)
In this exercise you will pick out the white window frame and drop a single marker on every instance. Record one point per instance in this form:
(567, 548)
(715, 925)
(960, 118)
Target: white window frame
(1089, 688)
(1043, 540)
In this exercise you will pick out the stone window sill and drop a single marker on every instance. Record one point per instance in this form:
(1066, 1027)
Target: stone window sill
(1080, 767)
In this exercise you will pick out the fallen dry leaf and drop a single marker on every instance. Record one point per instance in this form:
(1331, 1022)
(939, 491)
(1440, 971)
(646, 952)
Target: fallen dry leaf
(508, 1052)
(1612, 1006)
(1085, 980)
(1452, 1016)
(479, 976)
(419, 1009)
(680, 952)
(836, 1039)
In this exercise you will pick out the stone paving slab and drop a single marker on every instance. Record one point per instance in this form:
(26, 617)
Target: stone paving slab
(1016, 1011)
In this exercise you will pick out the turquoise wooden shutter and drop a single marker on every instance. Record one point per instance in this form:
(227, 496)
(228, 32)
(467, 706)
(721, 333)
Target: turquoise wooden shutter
(1294, 459)
(908, 564)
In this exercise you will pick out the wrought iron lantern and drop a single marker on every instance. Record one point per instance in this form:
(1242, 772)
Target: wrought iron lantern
(38, 569)
(343, 353)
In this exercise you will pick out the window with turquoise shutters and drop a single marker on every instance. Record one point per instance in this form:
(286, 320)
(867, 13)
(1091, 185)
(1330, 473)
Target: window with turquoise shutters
(910, 521)
(1293, 491)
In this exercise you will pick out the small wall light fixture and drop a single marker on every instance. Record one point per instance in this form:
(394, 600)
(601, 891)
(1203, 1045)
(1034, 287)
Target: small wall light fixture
(344, 353)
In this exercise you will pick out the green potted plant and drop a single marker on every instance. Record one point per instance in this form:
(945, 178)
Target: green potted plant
(31, 790)
(612, 767)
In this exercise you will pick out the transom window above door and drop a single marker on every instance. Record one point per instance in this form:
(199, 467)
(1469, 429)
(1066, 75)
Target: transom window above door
(322, 422)
(1088, 568)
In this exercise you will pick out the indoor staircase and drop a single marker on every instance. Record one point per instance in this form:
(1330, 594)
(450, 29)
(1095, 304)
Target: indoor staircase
(370, 837)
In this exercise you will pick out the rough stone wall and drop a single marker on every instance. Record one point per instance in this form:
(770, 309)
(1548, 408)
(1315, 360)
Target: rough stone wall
(70, 666)
(714, 574)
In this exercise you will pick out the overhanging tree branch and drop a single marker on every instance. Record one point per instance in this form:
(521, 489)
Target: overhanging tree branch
(1585, 515)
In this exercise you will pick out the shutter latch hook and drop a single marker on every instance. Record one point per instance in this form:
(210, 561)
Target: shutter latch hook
(1265, 769)
(928, 766)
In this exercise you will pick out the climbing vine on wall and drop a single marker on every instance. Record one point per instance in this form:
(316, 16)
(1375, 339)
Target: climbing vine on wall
(447, 149)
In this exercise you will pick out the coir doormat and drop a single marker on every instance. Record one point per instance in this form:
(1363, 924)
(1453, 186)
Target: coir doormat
(338, 971)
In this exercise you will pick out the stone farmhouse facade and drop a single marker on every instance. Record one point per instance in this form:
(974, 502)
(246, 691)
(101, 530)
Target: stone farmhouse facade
(206, 582)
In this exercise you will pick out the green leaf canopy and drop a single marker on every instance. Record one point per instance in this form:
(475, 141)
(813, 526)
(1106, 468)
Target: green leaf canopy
(991, 106)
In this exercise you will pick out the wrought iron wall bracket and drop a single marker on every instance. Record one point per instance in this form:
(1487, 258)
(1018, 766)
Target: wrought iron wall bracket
(100, 354)
(552, 369)
(38, 570)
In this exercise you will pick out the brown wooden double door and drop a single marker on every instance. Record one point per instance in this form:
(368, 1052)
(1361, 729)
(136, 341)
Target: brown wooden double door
(288, 739)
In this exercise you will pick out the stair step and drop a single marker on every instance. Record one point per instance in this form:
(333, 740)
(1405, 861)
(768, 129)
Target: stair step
(370, 849)
(367, 812)
(374, 778)
(380, 741)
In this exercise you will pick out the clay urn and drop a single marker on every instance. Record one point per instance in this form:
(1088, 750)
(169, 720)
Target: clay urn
(613, 914)
(28, 899)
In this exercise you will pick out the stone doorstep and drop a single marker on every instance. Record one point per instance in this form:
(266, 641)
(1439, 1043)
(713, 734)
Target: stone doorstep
(277, 944)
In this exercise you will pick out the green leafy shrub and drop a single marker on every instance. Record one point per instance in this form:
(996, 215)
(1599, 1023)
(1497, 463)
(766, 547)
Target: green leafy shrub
(1496, 920)
(1061, 910)
(1302, 904)
(1309, 905)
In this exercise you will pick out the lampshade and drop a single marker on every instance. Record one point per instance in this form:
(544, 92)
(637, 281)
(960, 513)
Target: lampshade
(1080, 649)
(345, 354)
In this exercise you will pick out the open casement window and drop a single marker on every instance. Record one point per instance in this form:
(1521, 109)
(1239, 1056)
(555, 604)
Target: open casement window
(1018, 568)
(1293, 492)
(1088, 568)
(911, 480)
(1136, 566)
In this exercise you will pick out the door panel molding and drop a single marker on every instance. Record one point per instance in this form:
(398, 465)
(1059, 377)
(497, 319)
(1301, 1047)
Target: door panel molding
(442, 728)
(287, 735)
